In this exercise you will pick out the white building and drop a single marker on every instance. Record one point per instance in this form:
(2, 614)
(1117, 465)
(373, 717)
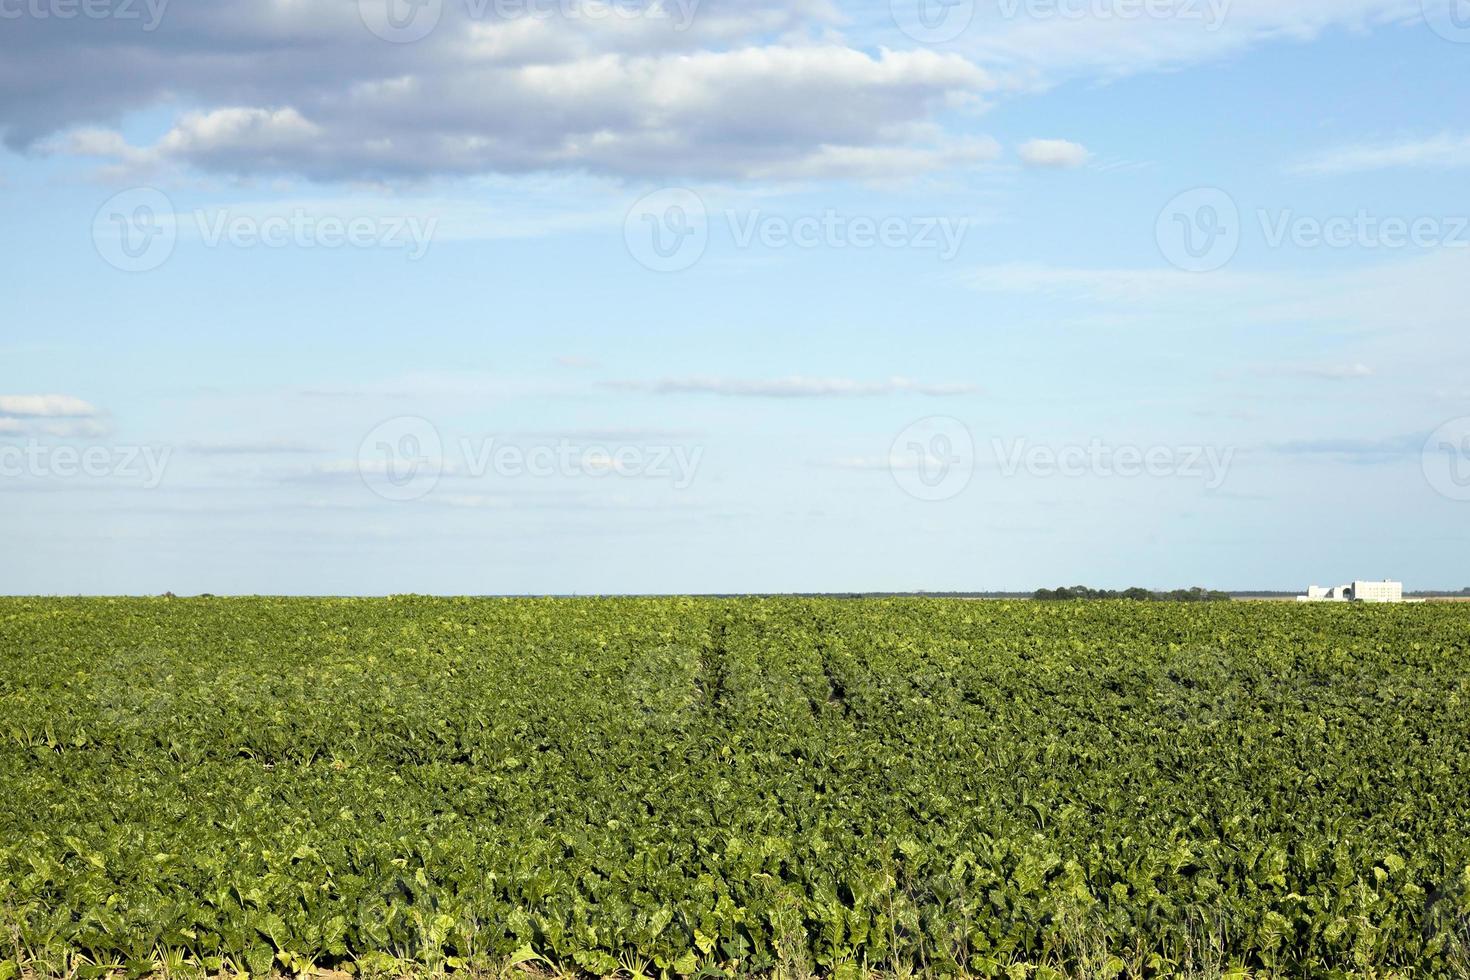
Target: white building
(1358, 591)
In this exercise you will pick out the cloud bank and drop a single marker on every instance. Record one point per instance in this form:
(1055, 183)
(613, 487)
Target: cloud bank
(751, 89)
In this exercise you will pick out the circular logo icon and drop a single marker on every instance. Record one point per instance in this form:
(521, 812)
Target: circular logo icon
(668, 230)
(933, 459)
(1447, 459)
(136, 230)
(1199, 231)
(1450, 19)
(402, 459)
(401, 21)
(932, 21)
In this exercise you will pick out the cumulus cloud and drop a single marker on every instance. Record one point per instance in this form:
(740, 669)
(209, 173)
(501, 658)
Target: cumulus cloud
(767, 111)
(1053, 154)
(792, 387)
(45, 407)
(60, 416)
(718, 89)
(755, 89)
(871, 162)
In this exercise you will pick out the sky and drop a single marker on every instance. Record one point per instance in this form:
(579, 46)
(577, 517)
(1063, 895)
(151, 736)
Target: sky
(552, 296)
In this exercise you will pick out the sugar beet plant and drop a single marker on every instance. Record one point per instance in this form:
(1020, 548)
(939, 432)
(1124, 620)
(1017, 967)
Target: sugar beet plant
(694, 788)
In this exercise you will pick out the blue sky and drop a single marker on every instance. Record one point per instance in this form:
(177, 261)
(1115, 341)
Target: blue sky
(1047, 291)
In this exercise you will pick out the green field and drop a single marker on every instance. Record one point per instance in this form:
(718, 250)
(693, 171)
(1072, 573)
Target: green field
(696, 788)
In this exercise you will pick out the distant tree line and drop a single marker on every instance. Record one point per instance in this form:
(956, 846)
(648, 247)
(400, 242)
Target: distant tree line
(1066, 594)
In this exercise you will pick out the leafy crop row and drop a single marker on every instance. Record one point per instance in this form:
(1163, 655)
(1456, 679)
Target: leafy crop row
(686, 788)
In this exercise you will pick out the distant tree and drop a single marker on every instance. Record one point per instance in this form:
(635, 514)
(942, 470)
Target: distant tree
(1135, 594)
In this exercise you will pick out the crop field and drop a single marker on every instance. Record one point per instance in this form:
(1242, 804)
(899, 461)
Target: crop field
(692, 788)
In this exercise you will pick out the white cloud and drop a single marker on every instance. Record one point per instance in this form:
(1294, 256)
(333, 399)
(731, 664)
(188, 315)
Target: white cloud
(793, 387)
(905, 462)
(1399, 320)
(75, 429)
(45, 406)
(472, 501)
(1355, 450)
(1423, 297)
(870, 162)
(1055, 154)
(1444, 152)
(1038, 45)
(877, 464)
(742, 89)
(1106, 285)
(863, 463)
(1336, 372)
(1355, 371)
(249, 448)
(757, 111)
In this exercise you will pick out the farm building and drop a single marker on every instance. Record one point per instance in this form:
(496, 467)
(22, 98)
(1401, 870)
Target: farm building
(1358, 591)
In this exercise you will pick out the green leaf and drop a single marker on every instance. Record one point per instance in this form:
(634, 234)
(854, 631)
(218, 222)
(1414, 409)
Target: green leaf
(525, 955)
